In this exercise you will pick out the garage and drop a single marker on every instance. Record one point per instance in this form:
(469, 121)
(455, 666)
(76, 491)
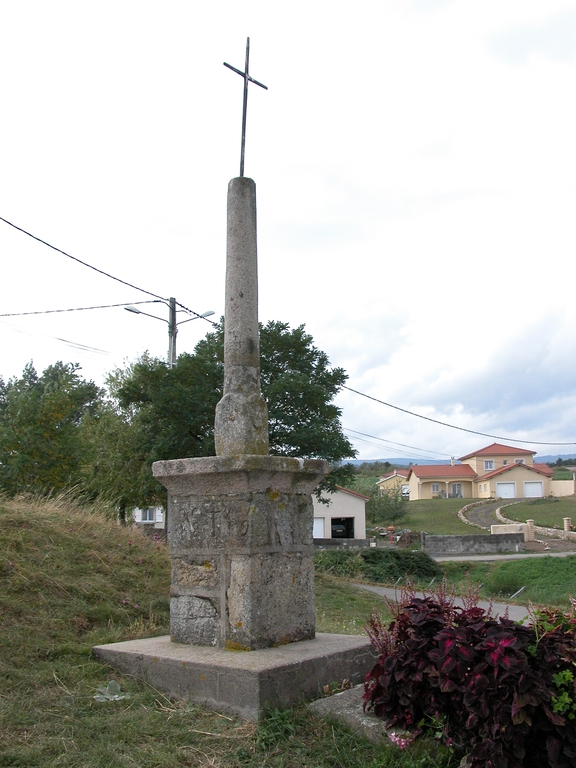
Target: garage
(506, 490)
(533, 490)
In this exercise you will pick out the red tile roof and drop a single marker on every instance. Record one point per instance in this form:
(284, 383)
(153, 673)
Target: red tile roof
(425, 471)
(401, 472)
(352, 493)
(544, 468)
(512, 466)
(496, 449)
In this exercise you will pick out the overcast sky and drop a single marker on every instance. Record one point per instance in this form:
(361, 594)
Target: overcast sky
(415, 163)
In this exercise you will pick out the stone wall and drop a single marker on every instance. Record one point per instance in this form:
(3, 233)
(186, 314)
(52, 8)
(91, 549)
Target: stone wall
(474, 544)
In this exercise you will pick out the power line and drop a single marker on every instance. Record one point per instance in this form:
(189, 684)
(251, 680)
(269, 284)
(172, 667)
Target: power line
(400, 451)
(100, 271)
(391, 442)
(74, 344)
(84, 263)
(191, 311)
(75, 309)
(452, 426)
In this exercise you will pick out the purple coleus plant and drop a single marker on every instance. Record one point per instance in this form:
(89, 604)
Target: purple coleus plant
(503, 692)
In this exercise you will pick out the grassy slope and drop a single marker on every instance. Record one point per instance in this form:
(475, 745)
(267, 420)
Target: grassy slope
(548, 581)
(68, 580)
(437, 516)
(545, 512)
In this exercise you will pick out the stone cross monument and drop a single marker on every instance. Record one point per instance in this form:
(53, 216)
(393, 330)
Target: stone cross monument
(241, 537)
(241, 527)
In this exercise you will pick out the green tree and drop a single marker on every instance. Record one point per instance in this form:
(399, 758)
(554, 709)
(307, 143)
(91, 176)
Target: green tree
(171, 410)
(114, 467)
(386, 506)
(40, 418)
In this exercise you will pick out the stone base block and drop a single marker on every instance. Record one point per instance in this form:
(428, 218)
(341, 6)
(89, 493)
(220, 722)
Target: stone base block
(241, 547)
(347, 708)
(243, 683)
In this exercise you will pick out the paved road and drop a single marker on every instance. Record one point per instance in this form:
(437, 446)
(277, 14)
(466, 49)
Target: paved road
(515, 612)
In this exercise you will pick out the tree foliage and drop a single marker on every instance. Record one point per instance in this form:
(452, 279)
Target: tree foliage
(40, 418)
(57, 429)
(387, 506)
(172, 409)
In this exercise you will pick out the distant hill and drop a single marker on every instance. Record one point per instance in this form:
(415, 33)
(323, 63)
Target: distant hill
(404, 462)
(551, 459)
(396, 462)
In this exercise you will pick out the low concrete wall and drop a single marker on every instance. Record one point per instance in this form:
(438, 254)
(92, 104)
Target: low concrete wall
(510, 528)
(344, 543)
(475, 544)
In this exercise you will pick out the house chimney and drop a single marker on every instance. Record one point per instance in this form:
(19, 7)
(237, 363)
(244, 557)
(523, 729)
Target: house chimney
(452, 460)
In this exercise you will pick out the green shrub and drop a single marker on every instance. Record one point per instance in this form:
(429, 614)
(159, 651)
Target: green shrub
(379, 565)
(390, 564)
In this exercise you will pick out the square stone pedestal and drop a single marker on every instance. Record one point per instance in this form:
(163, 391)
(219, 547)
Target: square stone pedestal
(241, 547)
(242, 683)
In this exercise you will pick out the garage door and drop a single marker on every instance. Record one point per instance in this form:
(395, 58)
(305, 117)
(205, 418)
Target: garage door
(533, 490)
(506, 490)
(318, 528)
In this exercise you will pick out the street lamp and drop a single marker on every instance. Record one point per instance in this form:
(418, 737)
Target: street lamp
(172, 324)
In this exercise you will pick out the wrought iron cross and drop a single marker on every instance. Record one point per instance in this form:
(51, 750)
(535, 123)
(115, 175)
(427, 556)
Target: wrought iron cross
(247, 79)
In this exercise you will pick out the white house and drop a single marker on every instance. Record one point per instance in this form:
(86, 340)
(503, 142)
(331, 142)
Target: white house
(343, 518)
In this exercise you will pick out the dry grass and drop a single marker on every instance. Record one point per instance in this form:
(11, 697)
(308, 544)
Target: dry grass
(70, 579)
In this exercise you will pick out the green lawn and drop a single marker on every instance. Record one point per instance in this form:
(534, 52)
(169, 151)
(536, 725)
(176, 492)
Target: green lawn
(549, 513)
(437, 516)
(342, 608)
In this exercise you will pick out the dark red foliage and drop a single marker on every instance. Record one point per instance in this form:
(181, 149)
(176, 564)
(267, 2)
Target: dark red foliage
(489, 683)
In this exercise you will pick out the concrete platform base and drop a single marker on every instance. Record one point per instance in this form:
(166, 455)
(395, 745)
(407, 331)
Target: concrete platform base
(347, 708)
(244, 683)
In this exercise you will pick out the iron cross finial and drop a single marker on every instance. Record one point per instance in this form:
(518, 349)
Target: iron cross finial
(247, 79)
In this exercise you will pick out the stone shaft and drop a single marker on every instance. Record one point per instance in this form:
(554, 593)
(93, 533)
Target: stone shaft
(241, 424)
(241, 549)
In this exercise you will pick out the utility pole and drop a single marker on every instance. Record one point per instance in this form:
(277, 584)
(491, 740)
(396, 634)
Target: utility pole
(172, 323)
(172, 332)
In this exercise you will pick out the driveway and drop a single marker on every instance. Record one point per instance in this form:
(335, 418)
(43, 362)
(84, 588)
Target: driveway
(483, 516)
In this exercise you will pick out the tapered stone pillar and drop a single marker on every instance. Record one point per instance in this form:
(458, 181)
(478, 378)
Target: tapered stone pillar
(241, 525)
(241, 425)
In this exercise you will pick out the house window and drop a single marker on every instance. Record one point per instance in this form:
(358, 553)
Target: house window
(518, 461)
(505, 463)
(488, 464)
(148, 515)
(485, 487)
(435, 487)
